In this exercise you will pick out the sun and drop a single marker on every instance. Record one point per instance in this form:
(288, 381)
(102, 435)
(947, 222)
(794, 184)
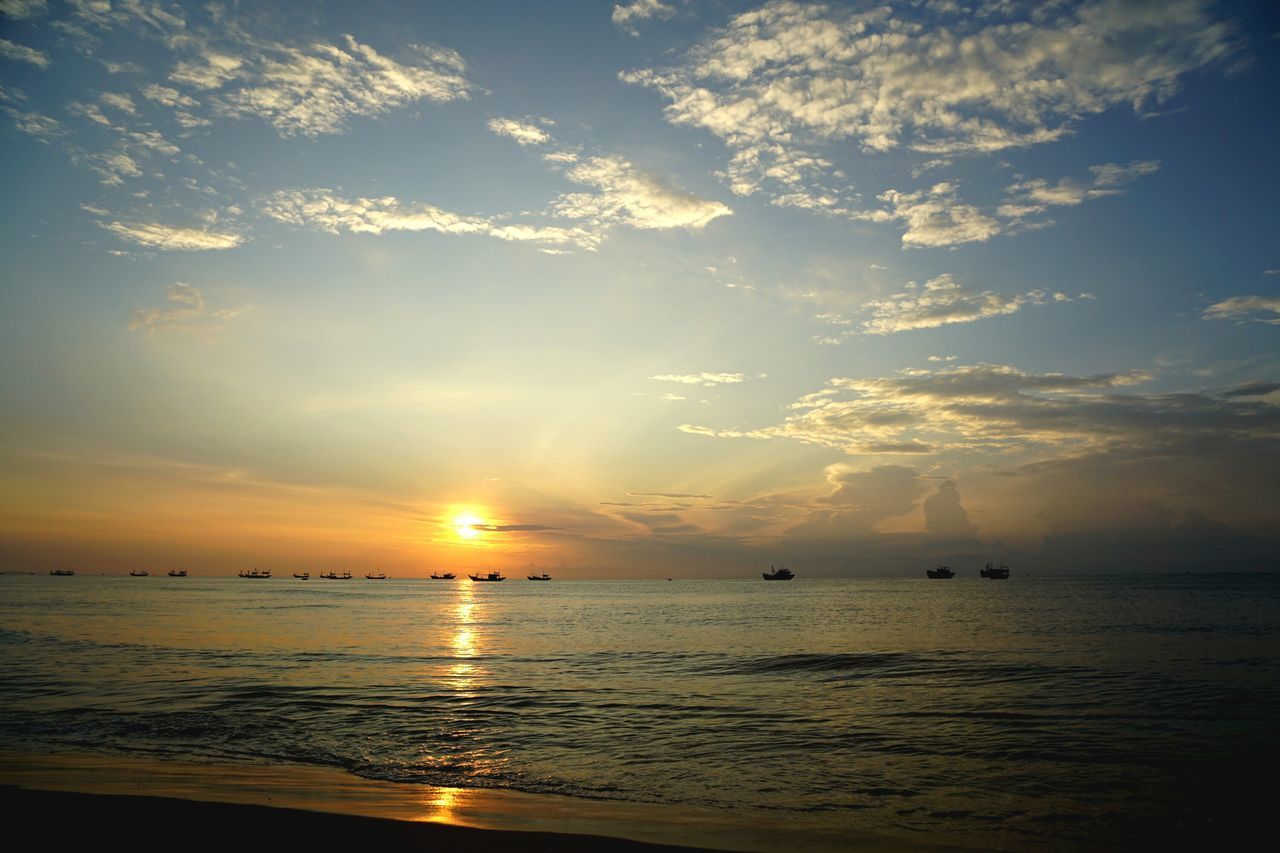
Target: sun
(465, 526)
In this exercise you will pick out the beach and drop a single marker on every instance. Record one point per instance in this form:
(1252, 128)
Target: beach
(159, 802)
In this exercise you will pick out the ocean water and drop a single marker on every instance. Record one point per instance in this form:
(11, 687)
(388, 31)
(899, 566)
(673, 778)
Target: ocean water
(1064, 713)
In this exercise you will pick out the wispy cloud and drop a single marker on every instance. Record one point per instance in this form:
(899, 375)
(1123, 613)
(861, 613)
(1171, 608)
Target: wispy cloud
(999, 408)
(1031, 197)
(940, 301)
(157, 235)
(705, 379)
(324, 210)
(22, 53)
(1261, 309)
(779, 83)
(23, 8)
(186, 311)
(523, 132)
(626, 16)
(36, 124)
(319, 87)
(626, 195)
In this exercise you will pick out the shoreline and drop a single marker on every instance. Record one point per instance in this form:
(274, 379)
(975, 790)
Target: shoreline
(321, 802)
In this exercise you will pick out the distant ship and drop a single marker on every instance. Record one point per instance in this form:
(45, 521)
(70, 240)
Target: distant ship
(256, 573)
(542, 577)
(334, 576)
(375, 576)
(940, 572)
(491, 577)
(996, 573)
(447, 576)
(782, 573)
(177, 573)
(302, 576)
(141, 574)
(62, 573)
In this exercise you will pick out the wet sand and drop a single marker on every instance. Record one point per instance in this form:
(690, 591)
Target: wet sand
(92, 798)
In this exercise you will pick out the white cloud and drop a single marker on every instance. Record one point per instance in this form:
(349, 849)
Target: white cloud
(781, 81)
(524, 133)
(705, 379)
(1030, 197)
(934, 217)
(626, 15)
(1262, 309)
(22, 53)
(159, 236)
(318, 88)
(119, 101)
(943, 301)
(323, 210)
(113, 167)
(187, 312)
(629, 196)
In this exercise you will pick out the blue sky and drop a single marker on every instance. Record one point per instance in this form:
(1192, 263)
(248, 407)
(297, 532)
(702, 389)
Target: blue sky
(631, 289)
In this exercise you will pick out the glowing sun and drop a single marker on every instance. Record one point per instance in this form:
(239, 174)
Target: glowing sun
(465, 526)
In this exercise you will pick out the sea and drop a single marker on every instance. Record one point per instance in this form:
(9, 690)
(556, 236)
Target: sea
(1028, 714)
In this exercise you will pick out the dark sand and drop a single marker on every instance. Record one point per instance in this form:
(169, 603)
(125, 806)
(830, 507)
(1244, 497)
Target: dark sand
(63, 820)
(93, 798)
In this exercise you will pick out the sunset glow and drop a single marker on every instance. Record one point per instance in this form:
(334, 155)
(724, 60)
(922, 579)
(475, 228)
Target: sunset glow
(735, 285)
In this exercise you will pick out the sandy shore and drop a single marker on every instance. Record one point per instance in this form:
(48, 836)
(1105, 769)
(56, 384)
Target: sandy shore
(62, 819)
(166, 801)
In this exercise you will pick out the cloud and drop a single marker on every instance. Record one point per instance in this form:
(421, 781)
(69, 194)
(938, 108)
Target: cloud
(625, 16)
(23, 8)
(119, 101)
(524, 133)
(316, 89)
(625, 195)
(513, 528)
(778, 83)
(159, 236)
(112, 166)
(35, 124)
(22, 53)
(1027, 198)
(944, 515)
(187, 311)
(323, 210)
(706, 379)
(934, 217)
(943, 301)
(1000, 409)
(1261, 309)
(1257, 388)
(168, 97)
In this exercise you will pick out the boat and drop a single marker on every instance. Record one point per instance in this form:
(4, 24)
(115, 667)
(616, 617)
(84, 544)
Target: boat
(141, 574)
(62, 573)
(375, 576)
(447, 576)
(942, 572)
(256, 573)
(542, 577)
(996, 573)
(334, 576)
(490, 577)
(177, 573)
(302, 576)
(782, 573)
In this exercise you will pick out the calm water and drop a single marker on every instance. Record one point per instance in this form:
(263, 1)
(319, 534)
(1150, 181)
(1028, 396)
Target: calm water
(1033, 713)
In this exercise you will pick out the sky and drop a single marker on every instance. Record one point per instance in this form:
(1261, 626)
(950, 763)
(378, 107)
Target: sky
(639, 290)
